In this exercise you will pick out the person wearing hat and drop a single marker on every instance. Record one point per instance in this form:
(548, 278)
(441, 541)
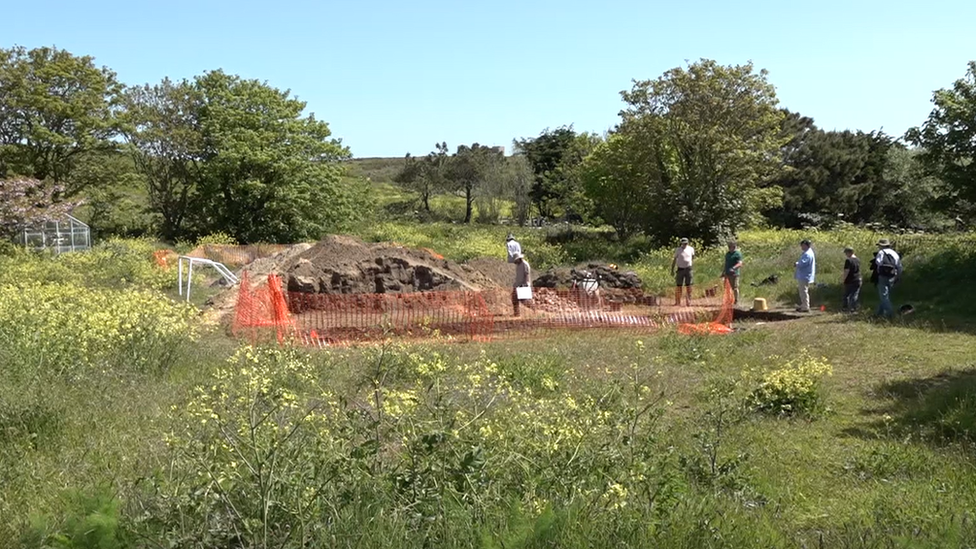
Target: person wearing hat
(514, 248)
(683, 258)
(523, 277)
(889, 272)
(806, 273)
(851, 280)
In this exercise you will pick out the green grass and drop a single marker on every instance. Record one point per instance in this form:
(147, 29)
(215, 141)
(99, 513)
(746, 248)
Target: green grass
(118, 454)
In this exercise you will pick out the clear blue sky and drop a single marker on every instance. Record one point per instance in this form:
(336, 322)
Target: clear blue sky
(398, 76)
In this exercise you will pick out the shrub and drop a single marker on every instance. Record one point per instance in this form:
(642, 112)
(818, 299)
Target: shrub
(66, 328)
(794, 388)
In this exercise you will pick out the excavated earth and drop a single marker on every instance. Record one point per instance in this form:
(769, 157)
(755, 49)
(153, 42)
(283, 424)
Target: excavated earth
(346, 265)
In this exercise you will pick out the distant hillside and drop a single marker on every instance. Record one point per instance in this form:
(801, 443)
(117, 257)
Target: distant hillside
(378, 170)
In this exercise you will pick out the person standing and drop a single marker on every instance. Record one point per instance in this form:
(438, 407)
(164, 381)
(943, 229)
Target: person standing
(889, 273)
(806, 272)
(514, 248)
(851, 280)
(683, 258)
(733, 263)
(523, 278)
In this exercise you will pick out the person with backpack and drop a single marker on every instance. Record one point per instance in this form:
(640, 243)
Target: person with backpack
(889, 271)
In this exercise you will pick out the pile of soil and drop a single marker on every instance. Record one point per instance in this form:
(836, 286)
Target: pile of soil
(607, 276)
(501, 272)
(346, 265)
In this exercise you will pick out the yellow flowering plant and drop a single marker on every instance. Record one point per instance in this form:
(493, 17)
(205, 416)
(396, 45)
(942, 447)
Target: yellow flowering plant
(794, 388)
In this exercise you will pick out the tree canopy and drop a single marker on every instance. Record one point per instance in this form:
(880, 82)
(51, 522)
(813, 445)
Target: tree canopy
(54, 107)
(948, 140)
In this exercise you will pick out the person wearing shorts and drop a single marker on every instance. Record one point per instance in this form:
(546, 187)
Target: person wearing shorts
(681, 268)
(733, 262)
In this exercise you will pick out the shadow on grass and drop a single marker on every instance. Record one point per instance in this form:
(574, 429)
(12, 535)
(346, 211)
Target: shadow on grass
(939, 409)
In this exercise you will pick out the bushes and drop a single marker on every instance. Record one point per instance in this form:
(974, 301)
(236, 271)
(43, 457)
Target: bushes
(68, 328)
(794, 388)
(426, 447)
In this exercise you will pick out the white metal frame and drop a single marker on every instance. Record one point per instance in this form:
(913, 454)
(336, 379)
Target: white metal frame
(191, 261)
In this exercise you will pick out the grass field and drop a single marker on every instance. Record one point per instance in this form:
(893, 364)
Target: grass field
(124, 422)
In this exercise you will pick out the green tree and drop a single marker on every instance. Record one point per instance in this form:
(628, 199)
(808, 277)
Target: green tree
(54, 107)
(948, 140)
(163, 126)
(222, 153)
(713, 136)
(830, 175)
(911, 197)
(469, 170)
(620, 180)
(522, 177)
(271, 173)
(555, 156)
(426, 175)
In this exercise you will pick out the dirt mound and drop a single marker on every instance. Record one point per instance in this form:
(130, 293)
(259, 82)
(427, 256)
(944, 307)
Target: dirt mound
(499, 271)
(342, 264)
(607, 276)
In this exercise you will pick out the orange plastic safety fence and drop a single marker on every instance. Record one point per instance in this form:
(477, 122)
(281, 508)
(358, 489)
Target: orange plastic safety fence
(336, 319)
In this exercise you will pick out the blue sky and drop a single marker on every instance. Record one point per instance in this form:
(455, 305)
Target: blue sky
(394, 77)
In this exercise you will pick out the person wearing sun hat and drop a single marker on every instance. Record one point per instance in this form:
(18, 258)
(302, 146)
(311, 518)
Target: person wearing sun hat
(889, 267)
(512, 247)
(683, 258)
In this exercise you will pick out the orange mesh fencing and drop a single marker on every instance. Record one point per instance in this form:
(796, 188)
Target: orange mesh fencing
(267, 312)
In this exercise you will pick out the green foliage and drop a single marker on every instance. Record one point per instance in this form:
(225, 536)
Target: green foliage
(462, 243)
(555, 156)
(54, 107)
(948, 139)
(89, 522)
(704, 139)
(615, 178)
(222, 153)
(793, 389)
(832, 175)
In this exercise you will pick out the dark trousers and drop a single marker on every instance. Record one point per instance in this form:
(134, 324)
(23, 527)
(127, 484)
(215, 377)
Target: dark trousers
(852, 296)
(515, 302)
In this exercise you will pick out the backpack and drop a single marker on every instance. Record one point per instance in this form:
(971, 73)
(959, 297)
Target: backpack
(888, 267)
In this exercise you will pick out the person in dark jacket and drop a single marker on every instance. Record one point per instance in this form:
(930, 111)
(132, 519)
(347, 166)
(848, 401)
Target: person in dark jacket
(851, 280)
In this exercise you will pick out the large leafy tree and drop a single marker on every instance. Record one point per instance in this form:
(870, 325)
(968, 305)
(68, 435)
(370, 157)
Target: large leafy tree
(621, 180)
(948, 140)
(469, 170)
(711, 137)
(830, 175)
(555, 156)
(271, 173)
(163, 125)
(54, 108)
(222, 153)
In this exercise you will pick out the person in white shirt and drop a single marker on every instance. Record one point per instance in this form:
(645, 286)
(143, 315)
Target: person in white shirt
(683, 276)
(514, 248)
(889, 267)
(523, 278)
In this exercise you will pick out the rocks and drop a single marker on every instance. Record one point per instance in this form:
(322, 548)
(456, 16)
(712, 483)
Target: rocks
(345, 265)
(606, 276)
